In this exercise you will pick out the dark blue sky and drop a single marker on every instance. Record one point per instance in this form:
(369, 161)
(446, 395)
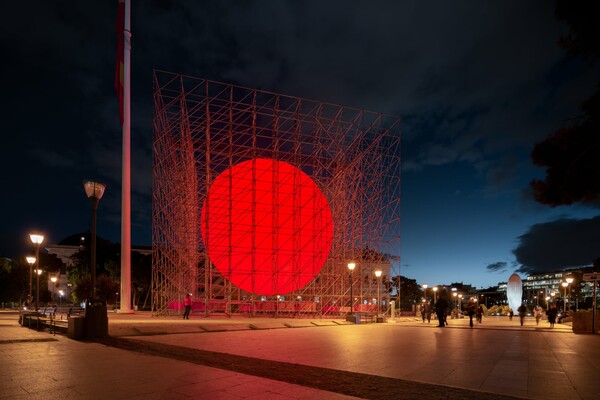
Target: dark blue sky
(477, 84)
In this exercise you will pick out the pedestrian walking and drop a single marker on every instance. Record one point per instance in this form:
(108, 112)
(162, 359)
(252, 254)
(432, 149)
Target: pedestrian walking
(522, 310)
(537, 313)
(187, 303)
(471, 309)
(440, 310)
(479, 314)
(426, 313)
(551, 314)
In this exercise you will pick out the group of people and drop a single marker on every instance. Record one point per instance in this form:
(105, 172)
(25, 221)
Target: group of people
(472, 309)
(441, 306)
(551, 314)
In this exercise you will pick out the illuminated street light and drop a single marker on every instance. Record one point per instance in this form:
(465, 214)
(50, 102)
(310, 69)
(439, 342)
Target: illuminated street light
(30, 261)
(53, 279)
(37, 240)
(378, 275)
(565, 285)
(94, 192)
(455, 295)
(435, 289)
(61, 293)
(425, 292)
(37, 293)
(351, 267)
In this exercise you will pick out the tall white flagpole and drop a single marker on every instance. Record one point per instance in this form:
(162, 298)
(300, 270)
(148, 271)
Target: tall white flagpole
(125, 305)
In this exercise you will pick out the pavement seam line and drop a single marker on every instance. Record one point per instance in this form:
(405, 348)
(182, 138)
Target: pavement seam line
(365, 386)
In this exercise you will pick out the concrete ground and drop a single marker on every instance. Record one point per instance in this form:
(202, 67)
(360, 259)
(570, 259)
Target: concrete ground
(278, 358)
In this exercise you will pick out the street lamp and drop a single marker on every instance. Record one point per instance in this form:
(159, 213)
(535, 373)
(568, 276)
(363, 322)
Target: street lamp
(37, 240)
(460, 296)
(565, 284)
(425, 292)
(455, 295)
(94, 192)
(30, 261)
(37, 293)
(60, 294)
(569, 281)
(378, 275)
(351, 267)
(53, 279)
(435, 289)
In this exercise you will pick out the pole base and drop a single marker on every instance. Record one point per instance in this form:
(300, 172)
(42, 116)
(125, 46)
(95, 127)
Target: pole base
(353, 318)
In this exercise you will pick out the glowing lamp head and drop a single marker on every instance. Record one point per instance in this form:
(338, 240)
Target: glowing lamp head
(564, 284)
(425, 286)
(30, 260)
(378, 273)
(569, 280)
(53, 279)
(38, 271)
(36, 238)
(435, 288)
(351, 266)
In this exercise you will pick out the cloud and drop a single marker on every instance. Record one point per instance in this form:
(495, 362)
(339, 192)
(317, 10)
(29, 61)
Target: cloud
(499, 266)
(559, 244)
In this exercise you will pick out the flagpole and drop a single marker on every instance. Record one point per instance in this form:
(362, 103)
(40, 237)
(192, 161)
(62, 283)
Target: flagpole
(125, 305)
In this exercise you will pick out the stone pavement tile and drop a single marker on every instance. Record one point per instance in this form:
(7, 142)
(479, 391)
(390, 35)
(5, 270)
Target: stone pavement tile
(551, 385)
(472, 375)
(267, 325)
(224, 327)
(295, 392)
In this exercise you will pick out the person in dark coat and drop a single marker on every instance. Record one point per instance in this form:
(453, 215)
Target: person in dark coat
(551, 313)
(471, 308)
(479, 314)
(440, 310)
(522, 310)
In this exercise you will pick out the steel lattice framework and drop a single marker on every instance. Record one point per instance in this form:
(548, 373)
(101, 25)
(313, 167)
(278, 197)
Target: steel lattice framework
(203, 128)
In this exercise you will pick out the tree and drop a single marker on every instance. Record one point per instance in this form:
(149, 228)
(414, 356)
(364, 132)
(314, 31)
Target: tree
(410, 293)
(14, 280)
(571, 155)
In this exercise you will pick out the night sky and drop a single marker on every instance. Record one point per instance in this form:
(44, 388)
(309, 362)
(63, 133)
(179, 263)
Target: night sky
(476, 84)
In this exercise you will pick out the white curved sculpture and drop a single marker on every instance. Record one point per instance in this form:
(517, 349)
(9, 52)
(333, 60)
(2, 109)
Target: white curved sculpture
(514, 292)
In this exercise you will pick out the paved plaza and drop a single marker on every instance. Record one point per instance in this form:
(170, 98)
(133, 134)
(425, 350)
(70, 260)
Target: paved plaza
(279, 358)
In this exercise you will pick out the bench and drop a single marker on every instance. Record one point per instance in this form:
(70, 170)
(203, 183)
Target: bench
(54, 318)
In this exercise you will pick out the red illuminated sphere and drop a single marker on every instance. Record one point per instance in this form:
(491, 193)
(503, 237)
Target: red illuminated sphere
(266, 226)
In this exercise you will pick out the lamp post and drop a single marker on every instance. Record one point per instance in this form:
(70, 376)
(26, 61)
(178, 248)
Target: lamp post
(30, 261)
(53, 280)
(460, 296)
(37, 292)
(60, 296)
(37, 240)
(378, 275)
(351, 267)
(94, 192)
(435, 289)
(425, 292)
(569, 281)
(455, 295)
(565, 284)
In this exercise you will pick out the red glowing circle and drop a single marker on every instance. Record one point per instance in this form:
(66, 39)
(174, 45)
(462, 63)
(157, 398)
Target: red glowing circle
(266, 226)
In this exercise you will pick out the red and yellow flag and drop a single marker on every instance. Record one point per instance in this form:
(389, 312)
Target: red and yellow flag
(120, 55)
